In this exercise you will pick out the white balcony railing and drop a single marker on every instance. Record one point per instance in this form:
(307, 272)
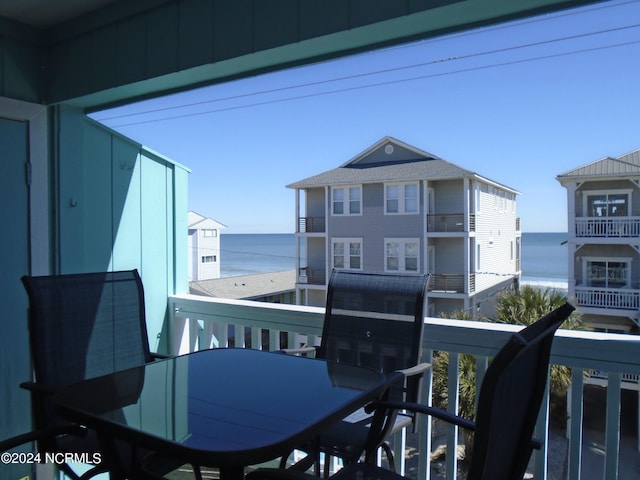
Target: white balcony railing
(607, 227)
(609, 298)
(202, 322)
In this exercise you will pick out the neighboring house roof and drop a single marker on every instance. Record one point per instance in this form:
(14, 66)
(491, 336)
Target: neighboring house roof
(390, 160)
(197, 221)
(624, 166)
(246, 286)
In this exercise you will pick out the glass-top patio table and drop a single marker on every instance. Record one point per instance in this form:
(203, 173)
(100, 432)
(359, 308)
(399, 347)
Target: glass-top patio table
(225, 408)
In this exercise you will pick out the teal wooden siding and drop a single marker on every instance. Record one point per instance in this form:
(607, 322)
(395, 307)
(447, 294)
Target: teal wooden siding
(120, 206)
(168, 45)
(22, 57)
(14, 262)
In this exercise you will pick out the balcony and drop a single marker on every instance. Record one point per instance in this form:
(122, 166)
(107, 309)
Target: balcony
(609, 298)
(312, 276)
(607, 227)
(449, 222)
(198, 322)
(311, 225)
(450, 283)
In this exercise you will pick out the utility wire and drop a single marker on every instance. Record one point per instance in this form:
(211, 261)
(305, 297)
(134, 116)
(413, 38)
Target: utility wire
(379, 72)
(374, 85)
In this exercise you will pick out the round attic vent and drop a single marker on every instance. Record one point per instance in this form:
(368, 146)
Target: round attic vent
(388, 149)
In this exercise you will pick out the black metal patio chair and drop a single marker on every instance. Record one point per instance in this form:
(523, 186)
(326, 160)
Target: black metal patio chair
(82, 326)
(508, 406)
(374, 320)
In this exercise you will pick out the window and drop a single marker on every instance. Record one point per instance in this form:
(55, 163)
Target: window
(607, 204)
(347, 253)
(346, 201)
(402, 255)
(401, 198)
(607, 273)
(209, 259)
(209, 232)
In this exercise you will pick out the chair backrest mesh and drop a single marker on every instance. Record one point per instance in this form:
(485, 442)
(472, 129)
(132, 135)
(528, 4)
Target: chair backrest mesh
(85, 325)
(509, 401)
(374, 320)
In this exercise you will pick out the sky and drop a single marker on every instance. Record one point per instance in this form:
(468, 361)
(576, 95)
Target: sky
(518, 103)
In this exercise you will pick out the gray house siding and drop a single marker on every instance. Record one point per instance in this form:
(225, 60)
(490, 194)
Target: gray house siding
(448, 255)
(316, 253)
(373, 226)
(315, 203)
(448, 196)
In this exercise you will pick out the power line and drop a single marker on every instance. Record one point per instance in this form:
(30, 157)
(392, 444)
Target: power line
(373, 73)
(380, 84)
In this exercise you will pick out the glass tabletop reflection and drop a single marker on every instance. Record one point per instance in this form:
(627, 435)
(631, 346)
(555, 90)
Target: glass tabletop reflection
(225, 406)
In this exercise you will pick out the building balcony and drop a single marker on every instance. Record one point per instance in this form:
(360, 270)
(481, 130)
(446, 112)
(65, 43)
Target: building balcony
(451, 283)
(608, 298)
(311, 225)
(449, 222)
(201, 322)
(312, 276)
(607, 227)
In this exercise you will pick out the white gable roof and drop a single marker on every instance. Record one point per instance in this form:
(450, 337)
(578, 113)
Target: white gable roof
(199, 222)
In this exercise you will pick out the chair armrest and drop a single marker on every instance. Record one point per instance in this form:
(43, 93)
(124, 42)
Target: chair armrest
(298, 351)
(415, 370)
(39, 388)
(159, 356)
(13, 442)
(427, 410)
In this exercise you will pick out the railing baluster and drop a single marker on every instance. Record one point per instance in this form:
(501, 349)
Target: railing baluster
(541, 432)
(256, 338)
(453, 387)
(424, 423)
(612, 436)
(574, 429)
(274, 339)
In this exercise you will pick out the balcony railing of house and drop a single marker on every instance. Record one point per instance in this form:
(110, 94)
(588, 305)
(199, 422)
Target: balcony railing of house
(311, 224)
(312, 276)
(202, 322)
(612, 298)
(450, 283)
(607, 227)
(449, 222)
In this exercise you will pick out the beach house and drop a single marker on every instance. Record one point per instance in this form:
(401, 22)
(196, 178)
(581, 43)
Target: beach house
(603, 199)
(203, 247)
(396, 208)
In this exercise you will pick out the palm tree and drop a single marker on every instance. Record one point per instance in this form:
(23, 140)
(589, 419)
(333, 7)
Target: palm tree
(523, 306)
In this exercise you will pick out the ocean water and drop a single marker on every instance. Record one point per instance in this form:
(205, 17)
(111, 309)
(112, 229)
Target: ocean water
(544, 257)
(247, 254)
